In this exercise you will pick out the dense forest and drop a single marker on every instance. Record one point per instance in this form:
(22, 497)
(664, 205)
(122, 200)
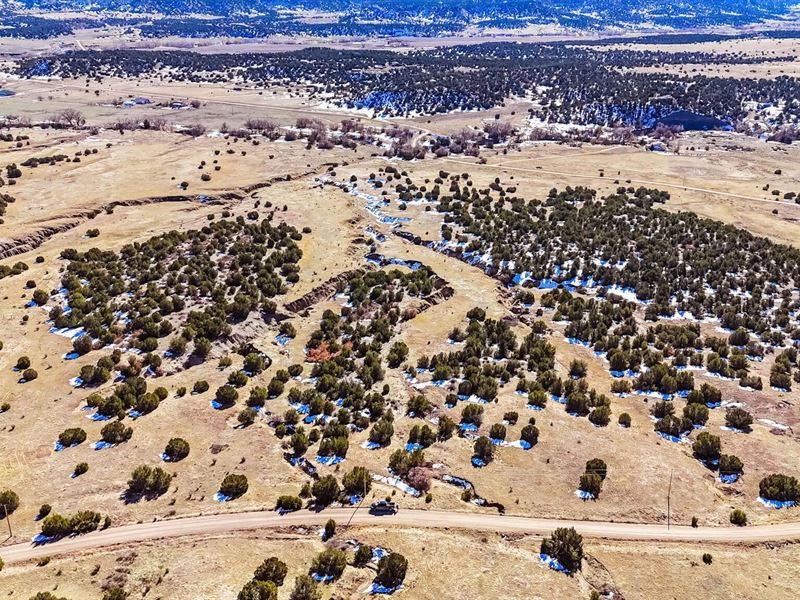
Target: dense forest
(567, 84)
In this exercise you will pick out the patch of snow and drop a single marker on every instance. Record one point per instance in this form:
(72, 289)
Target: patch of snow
(101, 445)
(329, 460)
(396, 482)
(67, 332)
(674, 439)
(552, 563)
(377, 588)
(378, 553)
(777, 503)
(520, 444)
(97, 417)
(732, 429)
(773, 424)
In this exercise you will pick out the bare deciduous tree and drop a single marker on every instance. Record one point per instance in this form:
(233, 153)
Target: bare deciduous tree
(71, 117)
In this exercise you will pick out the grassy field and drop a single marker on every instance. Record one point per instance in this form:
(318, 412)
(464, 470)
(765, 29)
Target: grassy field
(131, 168)
(451, 564)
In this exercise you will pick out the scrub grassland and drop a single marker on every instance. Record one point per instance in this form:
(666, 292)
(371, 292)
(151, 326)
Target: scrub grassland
(223, 298)
(170, 569)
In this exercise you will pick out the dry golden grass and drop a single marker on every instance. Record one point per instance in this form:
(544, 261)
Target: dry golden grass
(442, 564)
(540, 482)
(544, 478)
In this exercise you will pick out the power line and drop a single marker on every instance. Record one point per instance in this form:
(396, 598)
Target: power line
(364, 497)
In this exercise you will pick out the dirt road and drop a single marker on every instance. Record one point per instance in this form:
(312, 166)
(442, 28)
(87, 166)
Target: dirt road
(216, 524)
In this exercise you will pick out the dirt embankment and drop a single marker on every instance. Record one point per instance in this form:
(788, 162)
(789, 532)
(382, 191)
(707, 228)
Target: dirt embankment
(15, 246)
(19, 245)
(254, 187)
(443, 293)
(321, 292)
(326, 290)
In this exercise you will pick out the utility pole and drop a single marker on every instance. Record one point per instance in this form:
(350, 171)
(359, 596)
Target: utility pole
(669, 493)
(8, 520)
(364, 497)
